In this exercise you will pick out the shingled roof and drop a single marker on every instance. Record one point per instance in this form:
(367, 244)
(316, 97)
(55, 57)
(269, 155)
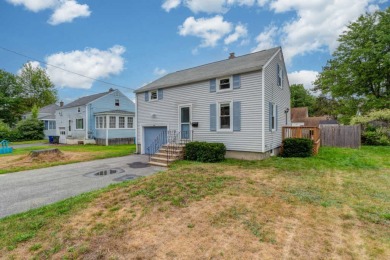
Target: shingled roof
(85, 100)
(246, 63)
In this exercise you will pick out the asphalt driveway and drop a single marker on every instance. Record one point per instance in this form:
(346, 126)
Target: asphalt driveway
(25, 190)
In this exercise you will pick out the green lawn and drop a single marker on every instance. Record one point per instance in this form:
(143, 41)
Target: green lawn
(334, 205)
(87, 152)
(30, 142)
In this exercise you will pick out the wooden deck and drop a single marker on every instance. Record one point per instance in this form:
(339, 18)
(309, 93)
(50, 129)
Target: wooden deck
(308, 132)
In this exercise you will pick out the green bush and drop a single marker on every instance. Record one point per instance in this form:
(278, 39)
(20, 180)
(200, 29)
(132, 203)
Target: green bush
(30, 129)
(297, 147)
(377, 136)
(205, 152)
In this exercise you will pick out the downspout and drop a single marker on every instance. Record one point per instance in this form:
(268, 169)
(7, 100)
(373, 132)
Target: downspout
(86, 122)
(136, 124)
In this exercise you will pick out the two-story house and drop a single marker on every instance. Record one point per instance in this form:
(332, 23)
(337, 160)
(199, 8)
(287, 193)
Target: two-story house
(104, 118)
(242, 102)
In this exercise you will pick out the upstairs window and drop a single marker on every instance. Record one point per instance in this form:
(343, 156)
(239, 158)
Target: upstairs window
(153, 95)
(280, 76)
(78, 109)
(117, 102)
(224, 84)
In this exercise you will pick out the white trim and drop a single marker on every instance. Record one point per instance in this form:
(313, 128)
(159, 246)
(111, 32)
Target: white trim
(179, 118)
(143, 130)
(86, 122)
(230, 115)
(226, 89)
(136, 123)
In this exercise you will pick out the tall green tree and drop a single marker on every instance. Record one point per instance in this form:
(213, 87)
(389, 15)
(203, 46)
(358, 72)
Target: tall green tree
(301, 97)
(11, 101)
(358, 75)
(37, 88)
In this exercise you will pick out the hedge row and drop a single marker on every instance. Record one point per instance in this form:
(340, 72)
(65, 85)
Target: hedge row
(297, 147)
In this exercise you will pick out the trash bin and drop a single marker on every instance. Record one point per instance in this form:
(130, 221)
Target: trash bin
(56, 139)
(51, 139)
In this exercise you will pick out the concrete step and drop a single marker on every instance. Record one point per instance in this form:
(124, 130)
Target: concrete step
(164, 155)
(158, 164)
(158, 159)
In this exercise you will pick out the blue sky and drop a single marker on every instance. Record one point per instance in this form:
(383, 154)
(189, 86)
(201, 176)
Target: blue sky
(131, 43)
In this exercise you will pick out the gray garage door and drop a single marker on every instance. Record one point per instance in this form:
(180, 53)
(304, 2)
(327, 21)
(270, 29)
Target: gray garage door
(150, 135)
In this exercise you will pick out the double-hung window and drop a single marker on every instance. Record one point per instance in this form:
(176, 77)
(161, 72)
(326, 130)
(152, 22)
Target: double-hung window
(224, 84)
(121, 122)
(112, 121)
(79, 124)
(225, 116)
(101, 122)
(129, 122)
(153, 95)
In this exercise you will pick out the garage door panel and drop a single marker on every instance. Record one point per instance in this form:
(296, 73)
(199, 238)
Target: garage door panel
(150, 135)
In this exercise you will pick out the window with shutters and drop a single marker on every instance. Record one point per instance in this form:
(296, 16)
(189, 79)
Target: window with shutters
(224, 84)
(273, 117)
(225, 116)
(153, 95)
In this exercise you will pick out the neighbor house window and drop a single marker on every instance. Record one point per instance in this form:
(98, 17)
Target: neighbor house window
(79, 124)
(78, 109)
(153, 95)
(224, 84)
(129, 122)
(225, 116)
(121, 122)
(117, 102)
(112, 121)
(101, 122)
(70, 125)
(50, 125)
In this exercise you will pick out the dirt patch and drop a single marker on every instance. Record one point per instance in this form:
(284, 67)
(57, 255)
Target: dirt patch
(17, 161)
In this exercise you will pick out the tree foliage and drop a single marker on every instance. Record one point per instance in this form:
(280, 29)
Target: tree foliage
(19, 93)
(358, 75)
(301, 97)
(37, 88)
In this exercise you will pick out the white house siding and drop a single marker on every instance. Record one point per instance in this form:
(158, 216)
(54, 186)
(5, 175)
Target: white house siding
(64, 115)
(165, 112)
(279, 96)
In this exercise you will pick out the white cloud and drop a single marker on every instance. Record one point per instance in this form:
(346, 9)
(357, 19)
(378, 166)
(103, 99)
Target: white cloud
(35, 5)
(240, 32)
(265, 40)
(33, 64)
(91, 62)
(63, 10)
(318, 23)
(207, 6)
(170, 4)
(209, 30)
(305, 77)
(68, 11)
(159, 72)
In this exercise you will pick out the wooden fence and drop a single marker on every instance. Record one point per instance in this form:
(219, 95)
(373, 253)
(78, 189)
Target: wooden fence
(308, 132)
(341, 136)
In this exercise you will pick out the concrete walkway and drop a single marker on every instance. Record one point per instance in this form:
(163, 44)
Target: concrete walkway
(21, 191)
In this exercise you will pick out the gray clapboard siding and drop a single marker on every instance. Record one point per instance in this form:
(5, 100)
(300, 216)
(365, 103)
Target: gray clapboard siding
(280, 97)
(165, 112)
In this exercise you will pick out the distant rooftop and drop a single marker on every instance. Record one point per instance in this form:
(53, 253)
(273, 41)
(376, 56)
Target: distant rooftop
(85, 100)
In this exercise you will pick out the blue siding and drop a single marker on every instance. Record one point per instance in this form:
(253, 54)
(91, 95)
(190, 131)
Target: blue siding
(115, 133)
(107, 103)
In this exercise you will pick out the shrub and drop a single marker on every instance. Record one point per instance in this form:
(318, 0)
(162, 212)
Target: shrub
(30, 129)
(377, 136)
(205, 152)
(297, 147)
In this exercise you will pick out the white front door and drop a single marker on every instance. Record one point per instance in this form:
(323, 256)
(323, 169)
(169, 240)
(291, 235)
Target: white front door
(185, 121)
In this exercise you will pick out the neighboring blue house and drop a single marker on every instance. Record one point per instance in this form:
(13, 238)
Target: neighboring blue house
(47, 115)
(104, 118)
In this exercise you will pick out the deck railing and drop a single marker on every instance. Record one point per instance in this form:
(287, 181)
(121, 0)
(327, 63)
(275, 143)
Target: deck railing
(308, 132)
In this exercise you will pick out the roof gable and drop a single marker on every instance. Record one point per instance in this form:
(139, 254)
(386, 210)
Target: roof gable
(246, 63)
(85, 100)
